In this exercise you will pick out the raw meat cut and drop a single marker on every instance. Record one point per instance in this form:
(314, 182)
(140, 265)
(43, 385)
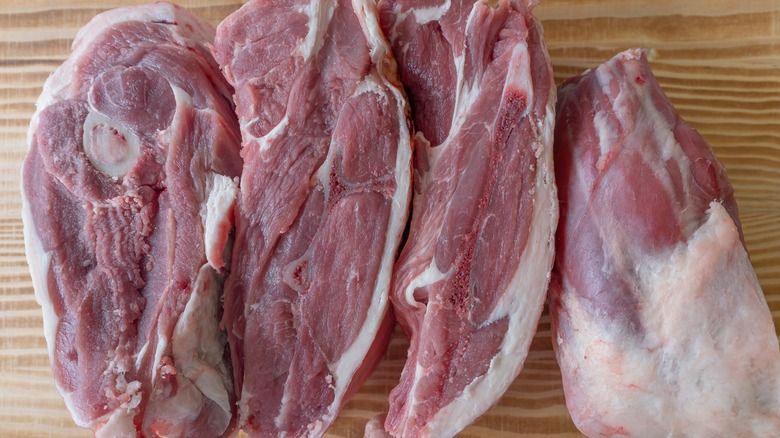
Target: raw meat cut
(659, 323)
(324, 199)
(470, 283)
(128, 189)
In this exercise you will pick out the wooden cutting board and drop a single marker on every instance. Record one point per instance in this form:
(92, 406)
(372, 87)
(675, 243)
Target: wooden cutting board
(719, 61)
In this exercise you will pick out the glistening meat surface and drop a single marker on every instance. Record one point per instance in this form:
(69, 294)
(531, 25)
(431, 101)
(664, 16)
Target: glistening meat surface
(659, 323)
(325, 196)
(471, 280)
(128, 188)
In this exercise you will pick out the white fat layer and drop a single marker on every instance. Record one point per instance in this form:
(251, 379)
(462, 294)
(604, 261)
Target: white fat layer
(429, 276)
(114, 170)
(400, 17)
(522, 79)
(433, 13)
(39, 262)
(264, 142)
(157, 12)
(320, 178)
(159, 352)
(139, 357)
(371, 29)
(118, 425)
(413, 401)
(53, 91)
(198, 346)
(183, 100)
(465, 97)
(607, 136)
(182, 409)
(279, 420)
(119, 422)
(693, 370)
(222, 194)
(319, 13)
(243, 406)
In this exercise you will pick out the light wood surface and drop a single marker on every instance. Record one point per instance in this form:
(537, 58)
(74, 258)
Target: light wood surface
(719, 61)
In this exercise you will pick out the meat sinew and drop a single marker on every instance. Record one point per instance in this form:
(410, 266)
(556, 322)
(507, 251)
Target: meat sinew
(128, 189)
(659, 323)
(470, 283)
(325, 194)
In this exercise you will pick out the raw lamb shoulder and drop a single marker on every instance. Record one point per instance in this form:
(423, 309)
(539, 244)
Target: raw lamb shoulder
(470, 283)
(324, 199)
(659, 323)
(128, 189)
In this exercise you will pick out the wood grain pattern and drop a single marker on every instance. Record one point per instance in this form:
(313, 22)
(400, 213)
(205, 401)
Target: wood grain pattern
(719, 61)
